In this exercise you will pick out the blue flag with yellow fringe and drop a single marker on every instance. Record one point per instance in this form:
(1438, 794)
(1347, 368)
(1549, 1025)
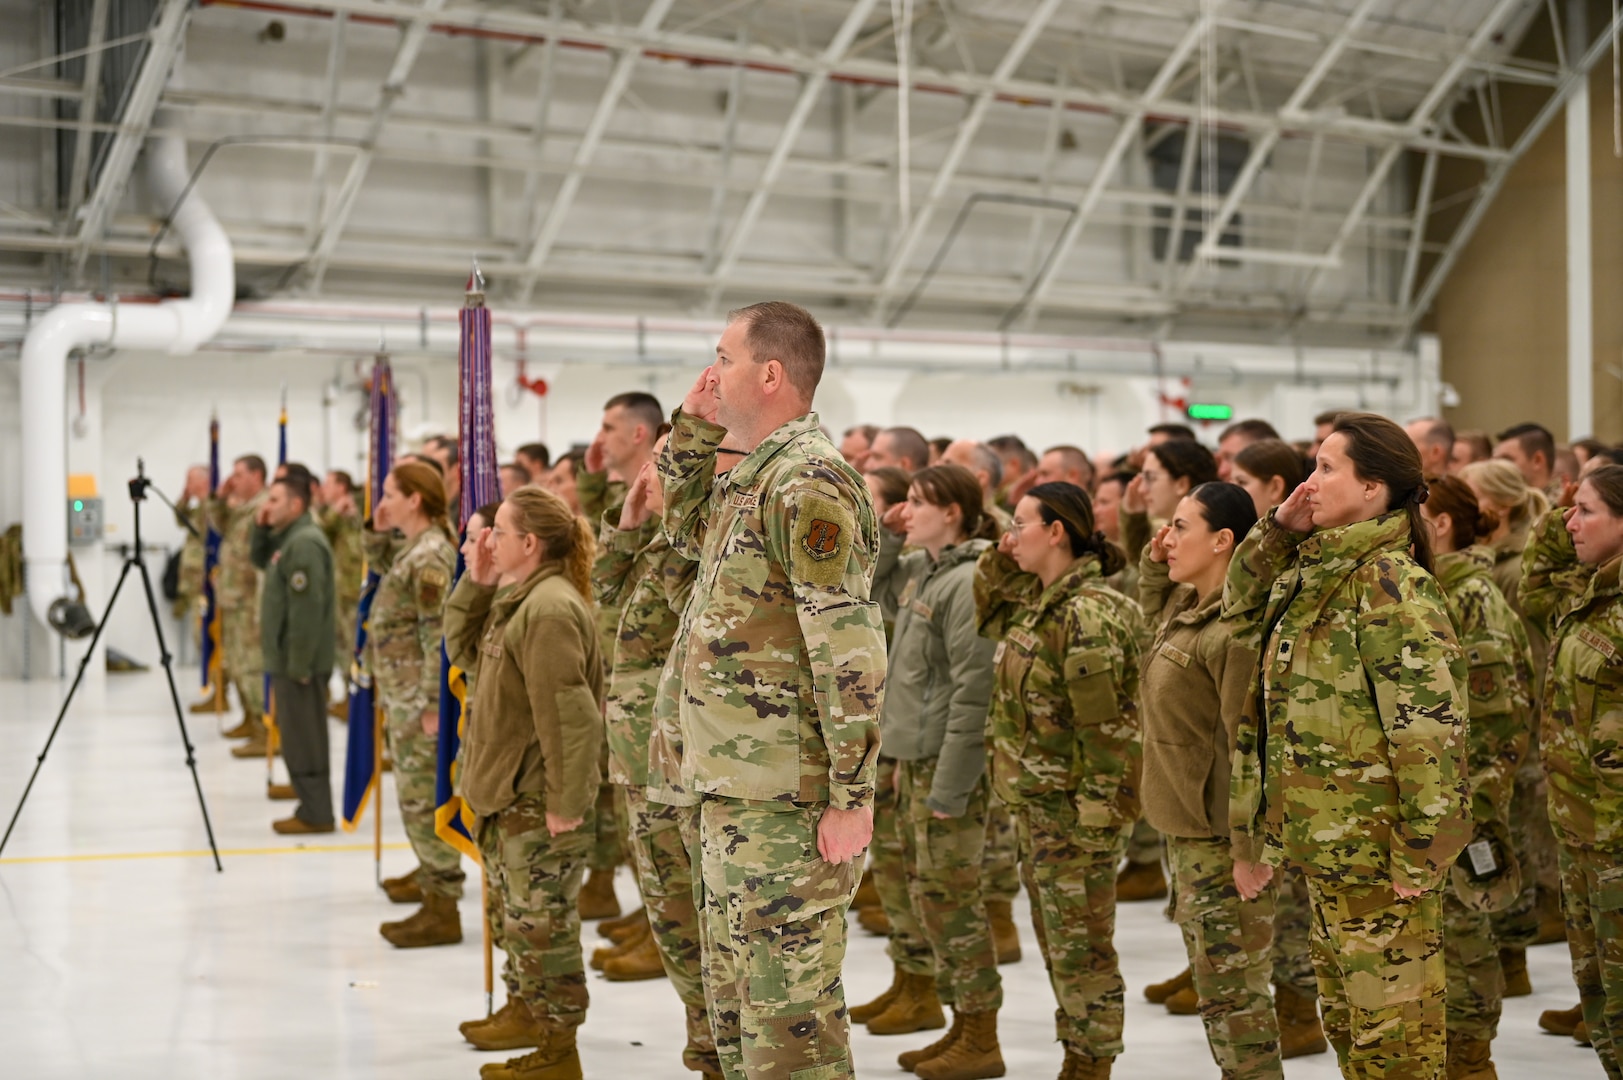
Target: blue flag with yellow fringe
(361, 750)
(211, 651)
(481, 484)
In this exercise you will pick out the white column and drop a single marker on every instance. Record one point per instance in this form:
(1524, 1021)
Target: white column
(1580, 278)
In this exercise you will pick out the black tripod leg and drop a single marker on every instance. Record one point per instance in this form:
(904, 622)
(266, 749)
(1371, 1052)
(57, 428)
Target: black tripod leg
(39, 763)
(180, 718)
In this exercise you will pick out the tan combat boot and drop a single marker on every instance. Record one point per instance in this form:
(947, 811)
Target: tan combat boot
(214, 703)
(910, 1059)
(874, 920)
(435, 923)
(1141, 881)
(861, 1014)
(280, 792)
(1552, 921)
(1300, 1032)
(1157, 993)
(597, 899)
(604, 955)
(258, 739)
(915, 1008)
(1077, 1067)
(1184, 1003)
(512, 1027)
(1005, 938)
(867, 892)
(639, 962)
(554, 1058)
(975, 1056)
(241, 731)
(617, 930)
(1514, 964)
(1561, 1021)
(1470, 1059)
(404, 889)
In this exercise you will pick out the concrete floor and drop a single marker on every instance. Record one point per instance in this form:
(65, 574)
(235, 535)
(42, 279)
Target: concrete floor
(124, 954)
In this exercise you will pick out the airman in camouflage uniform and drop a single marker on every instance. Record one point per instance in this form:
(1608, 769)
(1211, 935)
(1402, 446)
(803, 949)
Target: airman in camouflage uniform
(1581, 731)
(1351, 762)
(343, 531)
(236, 590)
(779, 680)
(403, 654)
(1065, 754)
(639, 576)
(192, 517)
(1500, 679)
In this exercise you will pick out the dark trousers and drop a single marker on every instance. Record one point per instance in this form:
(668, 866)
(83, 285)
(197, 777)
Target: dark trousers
(301, 714)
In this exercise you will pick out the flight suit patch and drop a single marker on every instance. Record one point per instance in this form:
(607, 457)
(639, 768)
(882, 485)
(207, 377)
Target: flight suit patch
(299, 582)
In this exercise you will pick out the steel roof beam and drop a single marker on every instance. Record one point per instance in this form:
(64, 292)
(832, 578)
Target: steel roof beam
(86, 115)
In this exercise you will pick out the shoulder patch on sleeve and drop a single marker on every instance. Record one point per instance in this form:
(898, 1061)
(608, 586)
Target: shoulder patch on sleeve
(299, 581)
(431, 586)
(821, 544)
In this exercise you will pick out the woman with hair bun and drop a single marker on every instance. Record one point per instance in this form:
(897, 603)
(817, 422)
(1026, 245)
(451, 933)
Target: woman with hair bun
(1500, 678)
(1350, 758)
(523, 611)
(403, 655)
(1064, 742)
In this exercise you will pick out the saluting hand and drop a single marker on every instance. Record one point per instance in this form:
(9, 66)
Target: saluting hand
(1006, 544)
(1158, 544)
(701, 399)
(896, 518)
(637, 509)
(1295, 513)
(1569, 494)
(594, 455)
(482, 561)
(1132, 497)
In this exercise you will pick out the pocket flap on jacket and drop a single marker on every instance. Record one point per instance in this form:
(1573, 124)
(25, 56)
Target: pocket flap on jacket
(793, 893)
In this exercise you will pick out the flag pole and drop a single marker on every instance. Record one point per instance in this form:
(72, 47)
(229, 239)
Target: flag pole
(377, 810)
(273, 734)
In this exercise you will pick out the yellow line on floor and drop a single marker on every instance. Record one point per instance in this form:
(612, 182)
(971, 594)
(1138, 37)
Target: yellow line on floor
(225, 853)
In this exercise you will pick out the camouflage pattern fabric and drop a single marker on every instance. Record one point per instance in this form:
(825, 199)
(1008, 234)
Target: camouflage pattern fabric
(907, 947)
(237, 593)
(343, 532)
(538, 877)
(1293, 912)
(773, 936)
(1476, 979)
(1592, 892)
(1000, 859)
(781, 678)
(1070, 872)
(941, 865)
(192, 556)
(1353, 763)
(1143, 844)
(414, 755)
(1517, 926)
(608, 830)
(660, 838)
(1381, 978)
(1229, 940)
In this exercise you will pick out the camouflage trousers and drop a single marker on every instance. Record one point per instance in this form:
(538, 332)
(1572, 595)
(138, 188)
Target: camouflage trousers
(536, 877)
(907, 947)
(1592, 893)
(415, 757)
(344, 636)
(1517, 926)
(1000, 864)
(609, 834)
(1293, 919)
(239, 634)
(1143, 844)
(1476, 981)
(941, 863)
(1229, 940)
(662, 838)
(1073, 898)
(1381, 980)
(772, 929)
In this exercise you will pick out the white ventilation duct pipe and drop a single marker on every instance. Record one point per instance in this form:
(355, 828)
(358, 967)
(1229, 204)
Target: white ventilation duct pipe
(173, 326)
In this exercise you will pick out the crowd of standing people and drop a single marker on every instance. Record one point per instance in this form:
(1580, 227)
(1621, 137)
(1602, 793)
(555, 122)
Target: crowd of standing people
(1351, 707)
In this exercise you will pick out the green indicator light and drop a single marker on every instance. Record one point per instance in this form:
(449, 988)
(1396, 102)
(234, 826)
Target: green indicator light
(1207, 411)
(78, 505)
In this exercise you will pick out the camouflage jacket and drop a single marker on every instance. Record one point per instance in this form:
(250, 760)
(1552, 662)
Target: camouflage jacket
(1350, 759)
(1581, 731)
(638, 575)
(193, 551)
(407, 619)
(237, 586)
(1196, 679)
(343, 532)
(938, 685)
(1507, 574)
(782, 675)
(1064, 718)
(535, 722)
(1499, 663)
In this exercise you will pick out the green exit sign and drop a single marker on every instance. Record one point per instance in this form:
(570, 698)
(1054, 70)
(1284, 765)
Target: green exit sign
(1200, 410)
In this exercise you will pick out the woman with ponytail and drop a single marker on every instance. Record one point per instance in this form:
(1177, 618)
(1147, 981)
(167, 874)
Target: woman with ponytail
(523, 612)
(403, 655)
(1500, 665)
(1350, 757)
(1063, 733)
